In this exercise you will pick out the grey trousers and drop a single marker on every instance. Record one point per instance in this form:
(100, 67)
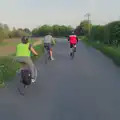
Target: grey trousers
(29, 63)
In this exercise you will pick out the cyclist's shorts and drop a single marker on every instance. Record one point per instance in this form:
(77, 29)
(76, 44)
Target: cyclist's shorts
(47, 46)
(72, 45)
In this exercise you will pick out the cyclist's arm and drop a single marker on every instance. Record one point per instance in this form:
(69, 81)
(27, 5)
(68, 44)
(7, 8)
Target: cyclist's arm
(33, 51)
(52, 40)
(68, 39)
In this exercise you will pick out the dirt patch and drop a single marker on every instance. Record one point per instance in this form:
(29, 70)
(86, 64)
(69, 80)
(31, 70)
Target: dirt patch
(7, 50)
(37, 43)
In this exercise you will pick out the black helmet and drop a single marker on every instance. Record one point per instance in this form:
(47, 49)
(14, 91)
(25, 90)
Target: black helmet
(24, 39)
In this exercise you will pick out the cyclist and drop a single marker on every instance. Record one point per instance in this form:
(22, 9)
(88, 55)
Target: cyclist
(48, 40)
(73, 40)
(23, 55)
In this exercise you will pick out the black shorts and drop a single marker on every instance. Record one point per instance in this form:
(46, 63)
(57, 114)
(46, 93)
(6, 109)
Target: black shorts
(72, 45)
(47, 46)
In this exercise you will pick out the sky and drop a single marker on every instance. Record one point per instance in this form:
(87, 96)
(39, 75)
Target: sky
(34, 13)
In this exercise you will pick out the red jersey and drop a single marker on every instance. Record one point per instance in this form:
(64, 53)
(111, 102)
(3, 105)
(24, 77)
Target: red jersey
(73, 39)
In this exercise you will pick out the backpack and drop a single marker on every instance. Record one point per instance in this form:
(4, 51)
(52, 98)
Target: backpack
(26, 76)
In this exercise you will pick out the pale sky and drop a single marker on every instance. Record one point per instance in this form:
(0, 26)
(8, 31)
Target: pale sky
(33, 13)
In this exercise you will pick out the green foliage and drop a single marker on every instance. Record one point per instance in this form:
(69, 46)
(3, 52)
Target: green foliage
(26, 30)
(83, 28)
(113, 33)
(56, 30)
(53, 42)
(107, 34)
(97, 33)
(19, 33)
(6, 33)
(40, 51)
(8, 70)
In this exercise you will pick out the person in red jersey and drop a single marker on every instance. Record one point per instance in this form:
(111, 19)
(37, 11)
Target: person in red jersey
(73, 40)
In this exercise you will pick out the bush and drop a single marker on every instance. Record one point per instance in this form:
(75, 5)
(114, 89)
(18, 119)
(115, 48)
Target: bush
(97, 33)
(40, 50)
(9, 68)
(108, 34)
(112, 33)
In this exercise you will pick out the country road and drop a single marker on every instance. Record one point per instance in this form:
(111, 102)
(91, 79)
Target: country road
(85, 88)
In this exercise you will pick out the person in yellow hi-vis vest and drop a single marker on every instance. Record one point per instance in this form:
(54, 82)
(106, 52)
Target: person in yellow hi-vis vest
(23, 55)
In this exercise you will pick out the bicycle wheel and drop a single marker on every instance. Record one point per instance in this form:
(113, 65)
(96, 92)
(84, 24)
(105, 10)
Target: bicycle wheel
(73, 53)
(26, 77)
(46, 57)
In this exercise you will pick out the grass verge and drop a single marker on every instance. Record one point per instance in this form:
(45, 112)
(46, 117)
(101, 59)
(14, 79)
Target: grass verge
(110, 51)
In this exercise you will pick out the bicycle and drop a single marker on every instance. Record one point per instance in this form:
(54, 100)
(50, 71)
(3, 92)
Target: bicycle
(26, 77)
(47, 54)
(72, 55)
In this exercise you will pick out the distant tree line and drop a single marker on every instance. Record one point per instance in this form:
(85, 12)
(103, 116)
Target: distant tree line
(55, 30)
(6, 33)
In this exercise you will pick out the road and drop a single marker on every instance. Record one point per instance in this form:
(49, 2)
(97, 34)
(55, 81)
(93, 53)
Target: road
(86, 88)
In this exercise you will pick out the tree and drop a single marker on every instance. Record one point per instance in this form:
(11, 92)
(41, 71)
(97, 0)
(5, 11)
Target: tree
(112, 33)
(2, 35)
(97, 33)
(26, 30)
(79, 31)
(84, 27)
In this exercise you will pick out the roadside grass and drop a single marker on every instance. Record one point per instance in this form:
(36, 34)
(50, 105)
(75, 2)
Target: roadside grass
(40, 51)
(110, 51)
(3, 43)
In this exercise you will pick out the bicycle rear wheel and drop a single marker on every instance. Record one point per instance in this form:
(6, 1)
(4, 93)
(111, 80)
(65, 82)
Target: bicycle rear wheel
(46, 59)
(73, 53)
(46, 56)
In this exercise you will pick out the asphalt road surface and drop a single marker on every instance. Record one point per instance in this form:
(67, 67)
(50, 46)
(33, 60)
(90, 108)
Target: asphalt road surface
(85, 88)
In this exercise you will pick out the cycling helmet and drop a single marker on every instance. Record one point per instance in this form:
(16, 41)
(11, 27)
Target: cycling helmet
(24, 39)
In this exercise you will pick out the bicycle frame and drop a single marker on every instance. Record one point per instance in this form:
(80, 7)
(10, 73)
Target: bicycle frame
(73, 51)
(47, 55)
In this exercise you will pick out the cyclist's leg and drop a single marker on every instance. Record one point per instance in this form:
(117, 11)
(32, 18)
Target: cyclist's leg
(71, 48)
(32, 68)
(21, 61)
(45, 46)
(51, 51)
(74, 47)
(29, 63)
(35, 73)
